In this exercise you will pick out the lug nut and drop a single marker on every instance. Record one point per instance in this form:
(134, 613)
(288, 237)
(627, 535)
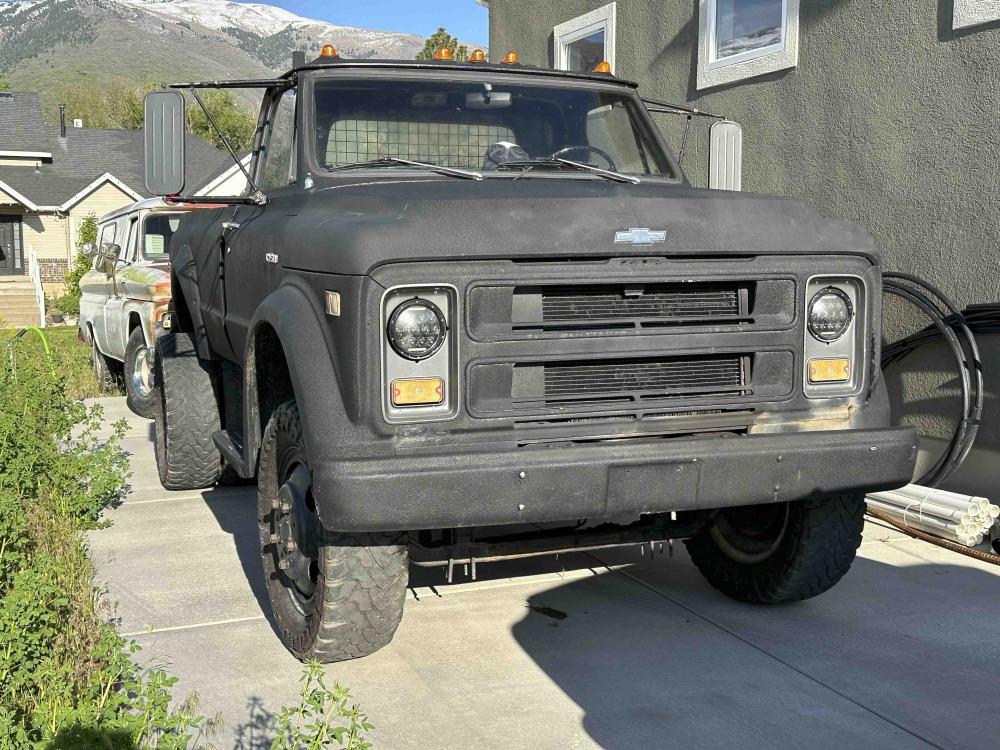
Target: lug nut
(283, 564)
(289, 546)
(273, 539)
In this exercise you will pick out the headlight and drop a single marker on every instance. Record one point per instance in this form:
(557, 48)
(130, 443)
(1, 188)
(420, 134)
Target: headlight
(830, 314)
(416, 329)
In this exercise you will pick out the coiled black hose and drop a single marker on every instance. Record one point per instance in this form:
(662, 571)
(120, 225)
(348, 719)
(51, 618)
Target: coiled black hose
(955, 326)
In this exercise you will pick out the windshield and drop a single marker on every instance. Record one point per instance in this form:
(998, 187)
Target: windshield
(156, 234)
(482, 126)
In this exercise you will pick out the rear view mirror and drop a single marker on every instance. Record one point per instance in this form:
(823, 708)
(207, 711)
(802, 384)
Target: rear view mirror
(89, 250)
(487, 100)
(164, 142)
(108, 259)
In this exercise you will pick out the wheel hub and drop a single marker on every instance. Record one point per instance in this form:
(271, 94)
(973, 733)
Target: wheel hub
(296, 532)
(142, 372)
(750, 535)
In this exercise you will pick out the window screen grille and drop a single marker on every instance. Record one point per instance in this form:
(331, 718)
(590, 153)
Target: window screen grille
(447, 144)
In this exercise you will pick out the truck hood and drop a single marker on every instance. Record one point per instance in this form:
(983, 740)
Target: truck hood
(353, 227)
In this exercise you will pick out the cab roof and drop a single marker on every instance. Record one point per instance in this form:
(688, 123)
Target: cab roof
(336, 63)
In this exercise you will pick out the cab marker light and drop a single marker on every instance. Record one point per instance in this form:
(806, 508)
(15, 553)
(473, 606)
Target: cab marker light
(444, 53)
(829, 370)
(417, 391)
(332, 303)
(477, 55)
(329, 51)
(510, 58)
(602, 67)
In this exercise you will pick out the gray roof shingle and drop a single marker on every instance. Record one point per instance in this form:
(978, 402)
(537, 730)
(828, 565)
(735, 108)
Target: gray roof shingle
(85, 154)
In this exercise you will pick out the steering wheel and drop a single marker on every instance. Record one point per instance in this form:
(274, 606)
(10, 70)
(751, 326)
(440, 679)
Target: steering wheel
(561, 153)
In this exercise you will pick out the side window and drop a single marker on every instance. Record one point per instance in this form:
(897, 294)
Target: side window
(278, 156)
(585, 41)
(740, 39)
(129, 248)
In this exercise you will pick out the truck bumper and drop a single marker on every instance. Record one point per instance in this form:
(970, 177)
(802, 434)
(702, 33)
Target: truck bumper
(607, 480)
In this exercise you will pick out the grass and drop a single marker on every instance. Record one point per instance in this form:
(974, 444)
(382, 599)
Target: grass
(70, 356)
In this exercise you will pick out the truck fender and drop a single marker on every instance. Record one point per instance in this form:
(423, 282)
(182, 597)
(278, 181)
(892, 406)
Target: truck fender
(185, 276)
(298, 325)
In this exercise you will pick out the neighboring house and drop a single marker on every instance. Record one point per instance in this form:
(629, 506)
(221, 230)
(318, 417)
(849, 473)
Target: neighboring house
(880, 113)
(52, 178)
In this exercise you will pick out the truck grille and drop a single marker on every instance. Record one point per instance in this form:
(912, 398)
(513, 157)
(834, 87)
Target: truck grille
(673, 303)
(644, 378)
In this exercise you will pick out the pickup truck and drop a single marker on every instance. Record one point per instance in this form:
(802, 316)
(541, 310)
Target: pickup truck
(470, 311)
(124, 296)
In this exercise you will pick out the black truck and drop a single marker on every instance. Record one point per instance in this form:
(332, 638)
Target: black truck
(470, 311)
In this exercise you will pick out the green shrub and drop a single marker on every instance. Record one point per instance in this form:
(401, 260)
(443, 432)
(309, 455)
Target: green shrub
(69, 303)
(68, 680)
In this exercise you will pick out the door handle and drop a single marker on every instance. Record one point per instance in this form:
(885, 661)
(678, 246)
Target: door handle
(227, 225)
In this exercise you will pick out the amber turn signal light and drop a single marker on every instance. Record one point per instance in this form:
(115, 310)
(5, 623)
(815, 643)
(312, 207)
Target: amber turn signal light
(444, 53)
(602, 67)
(829, 370)
(329, 51)
(510, 58)
(416, 391)
(477, 55)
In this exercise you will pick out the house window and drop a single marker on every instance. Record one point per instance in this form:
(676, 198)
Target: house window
(974, 12)
(741, 39)
(580, 44)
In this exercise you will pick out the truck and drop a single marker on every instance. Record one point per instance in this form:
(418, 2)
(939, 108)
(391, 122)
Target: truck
(124, 296)
(469, 311)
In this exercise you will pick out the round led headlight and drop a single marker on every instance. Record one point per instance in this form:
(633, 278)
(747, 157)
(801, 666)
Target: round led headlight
(416, 329)
(830, 314)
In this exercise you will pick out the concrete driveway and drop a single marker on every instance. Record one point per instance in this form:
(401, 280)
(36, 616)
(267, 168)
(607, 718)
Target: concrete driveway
(608, 650)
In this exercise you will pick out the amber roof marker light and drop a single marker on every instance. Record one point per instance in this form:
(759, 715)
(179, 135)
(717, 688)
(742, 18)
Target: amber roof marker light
(444, 53)
(603, 67)
(329, 51)
(511, 58)
(477, 56)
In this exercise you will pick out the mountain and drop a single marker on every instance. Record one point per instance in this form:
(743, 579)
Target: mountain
(47, 44)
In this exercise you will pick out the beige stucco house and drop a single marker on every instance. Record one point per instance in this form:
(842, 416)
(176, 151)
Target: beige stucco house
(52, 178)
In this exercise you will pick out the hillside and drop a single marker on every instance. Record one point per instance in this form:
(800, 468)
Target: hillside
(47, 44)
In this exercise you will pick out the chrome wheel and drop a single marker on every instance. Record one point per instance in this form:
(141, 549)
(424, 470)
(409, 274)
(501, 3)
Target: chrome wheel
(142, 372)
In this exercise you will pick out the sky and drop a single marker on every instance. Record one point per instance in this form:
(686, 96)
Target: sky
(463, 18)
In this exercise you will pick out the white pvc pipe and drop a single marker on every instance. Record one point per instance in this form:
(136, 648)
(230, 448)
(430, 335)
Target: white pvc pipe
(954, 534)
(919, 492)
(912, 519)
(905, 500)
(927, 508)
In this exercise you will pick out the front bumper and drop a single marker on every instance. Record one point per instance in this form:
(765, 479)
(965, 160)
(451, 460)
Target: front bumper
(606, 480)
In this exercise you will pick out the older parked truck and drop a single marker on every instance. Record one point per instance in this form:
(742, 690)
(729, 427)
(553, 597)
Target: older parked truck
(124, 296)
(469, 311)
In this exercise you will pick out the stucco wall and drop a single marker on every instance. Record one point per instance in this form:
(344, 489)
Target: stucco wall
(888, 120)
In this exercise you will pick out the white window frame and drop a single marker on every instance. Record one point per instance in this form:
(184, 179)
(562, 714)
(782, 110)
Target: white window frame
(714, 71)
(602, 19)
(968, 13)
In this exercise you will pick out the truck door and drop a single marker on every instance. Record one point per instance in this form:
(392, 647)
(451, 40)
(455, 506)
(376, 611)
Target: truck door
(114, 306)
(100, 291)
(253, 238)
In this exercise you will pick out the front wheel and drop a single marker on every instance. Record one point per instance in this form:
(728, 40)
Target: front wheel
(334, 596)
(140, 384)
(785, 552)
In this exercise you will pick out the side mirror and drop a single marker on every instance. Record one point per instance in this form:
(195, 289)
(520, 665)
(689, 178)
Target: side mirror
(89, 250)
(165, 117)
(109, 258)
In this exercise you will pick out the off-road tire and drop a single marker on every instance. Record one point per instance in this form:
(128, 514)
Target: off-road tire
(188, 415)
(820, 539)
(361, 577)
(106, 370)
(144, 406)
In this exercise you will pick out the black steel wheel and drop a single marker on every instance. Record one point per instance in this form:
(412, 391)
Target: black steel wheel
(785, 552)
(334, 596)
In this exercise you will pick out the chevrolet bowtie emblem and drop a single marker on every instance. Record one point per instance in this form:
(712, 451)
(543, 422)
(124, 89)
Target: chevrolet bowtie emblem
(640, 236)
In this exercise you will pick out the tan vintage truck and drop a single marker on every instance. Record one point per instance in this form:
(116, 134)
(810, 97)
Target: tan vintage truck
(124, 296)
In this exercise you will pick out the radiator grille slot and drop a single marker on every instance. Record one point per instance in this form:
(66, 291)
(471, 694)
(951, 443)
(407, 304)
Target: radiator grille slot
(645, 378)
(652, 304)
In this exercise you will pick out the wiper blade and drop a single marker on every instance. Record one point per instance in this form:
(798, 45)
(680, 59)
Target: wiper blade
(528, 164)
(395, 161)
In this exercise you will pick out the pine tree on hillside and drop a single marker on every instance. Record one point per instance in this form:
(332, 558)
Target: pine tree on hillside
(439, 39)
